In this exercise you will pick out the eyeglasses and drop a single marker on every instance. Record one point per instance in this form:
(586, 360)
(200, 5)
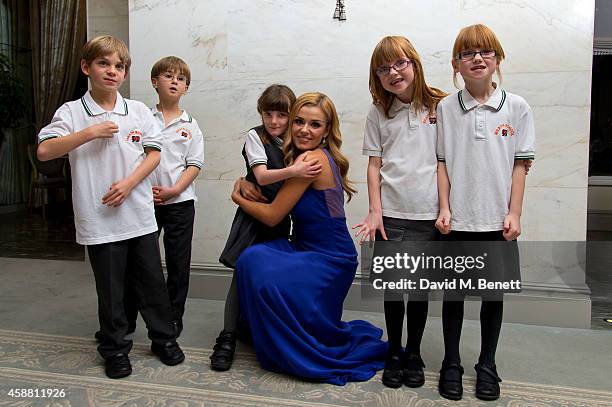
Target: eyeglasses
(469, 55)
(398, 66)
(314, 124)
(168, 76)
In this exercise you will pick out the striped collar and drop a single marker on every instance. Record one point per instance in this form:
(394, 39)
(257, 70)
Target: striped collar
(496, 100)
(278, 141)
(185, 117)
(92, 108)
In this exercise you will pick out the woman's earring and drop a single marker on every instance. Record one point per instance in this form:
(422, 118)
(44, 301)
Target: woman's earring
(324, 141)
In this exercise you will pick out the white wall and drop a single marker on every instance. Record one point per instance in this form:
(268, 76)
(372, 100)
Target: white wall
(109, 17)
(235, 49)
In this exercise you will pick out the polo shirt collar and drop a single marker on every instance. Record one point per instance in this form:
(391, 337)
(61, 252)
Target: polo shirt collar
(92, 108)
(185, 117)
(397, 106)
(155, 111)
(496, 100)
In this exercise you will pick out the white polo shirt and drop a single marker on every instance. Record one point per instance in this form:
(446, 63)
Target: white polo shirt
(183, 146)
(479, 143)
(254, 148)
(407, 145)
(96, 165)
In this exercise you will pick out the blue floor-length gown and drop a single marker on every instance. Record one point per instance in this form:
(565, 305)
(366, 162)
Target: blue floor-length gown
(291, 296)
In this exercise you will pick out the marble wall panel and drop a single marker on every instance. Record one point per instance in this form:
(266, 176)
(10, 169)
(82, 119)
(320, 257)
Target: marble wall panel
(235, 49)
(214, 213)
(109, 17)
(554, 214)
(192, 30)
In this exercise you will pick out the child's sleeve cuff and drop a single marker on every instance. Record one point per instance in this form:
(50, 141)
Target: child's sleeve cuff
(155, 146)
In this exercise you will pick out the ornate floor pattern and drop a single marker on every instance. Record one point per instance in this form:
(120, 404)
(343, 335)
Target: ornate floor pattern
(39, 361)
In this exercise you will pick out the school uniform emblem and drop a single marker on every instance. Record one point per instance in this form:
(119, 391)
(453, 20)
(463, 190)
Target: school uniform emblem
(504, 130)
(185, 133)
(134, 136)
(427, 119)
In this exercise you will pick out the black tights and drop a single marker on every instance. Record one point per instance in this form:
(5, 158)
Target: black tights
(416, 317)
(491, 314)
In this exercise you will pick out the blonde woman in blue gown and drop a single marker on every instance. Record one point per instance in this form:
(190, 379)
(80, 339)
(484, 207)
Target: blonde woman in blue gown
(292, 292)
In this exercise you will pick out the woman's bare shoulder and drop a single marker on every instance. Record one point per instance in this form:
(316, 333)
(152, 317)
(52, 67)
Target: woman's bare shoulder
(317, 153)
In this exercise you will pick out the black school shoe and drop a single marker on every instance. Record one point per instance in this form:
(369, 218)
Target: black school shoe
(413, 370)
(223, 351)
(487, 382)
(450, 385)
(169, 353)
(393, 375)
(117, 366)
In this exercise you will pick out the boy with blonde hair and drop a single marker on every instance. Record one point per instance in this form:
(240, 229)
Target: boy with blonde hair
(113, 144)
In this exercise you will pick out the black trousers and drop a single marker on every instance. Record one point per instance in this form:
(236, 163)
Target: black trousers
(133, 263)
(176, 220)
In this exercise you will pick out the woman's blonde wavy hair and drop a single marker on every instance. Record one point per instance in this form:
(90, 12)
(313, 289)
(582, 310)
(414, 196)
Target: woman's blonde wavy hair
(333, 140)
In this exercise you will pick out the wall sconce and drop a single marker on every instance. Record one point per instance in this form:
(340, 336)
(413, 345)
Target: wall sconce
(340, 13)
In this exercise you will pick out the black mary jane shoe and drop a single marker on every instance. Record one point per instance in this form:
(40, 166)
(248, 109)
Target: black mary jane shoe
(393, 375)
(223, 351)
(413, 370)
(117, 366)
(169, 353)
(450, 385)
(487, 382)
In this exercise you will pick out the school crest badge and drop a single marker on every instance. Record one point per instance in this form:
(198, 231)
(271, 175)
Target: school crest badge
(184, 132)
(430, 119)
(134, 136)
(504, 130)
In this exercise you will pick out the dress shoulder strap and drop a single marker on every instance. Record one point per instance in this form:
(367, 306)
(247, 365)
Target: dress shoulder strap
(334, 168)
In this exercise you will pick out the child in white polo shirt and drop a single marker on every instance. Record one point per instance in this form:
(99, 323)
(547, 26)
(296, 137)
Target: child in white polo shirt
(113, 144)
(264, 159)
(485, 136)
(400, 141)
(174, 192)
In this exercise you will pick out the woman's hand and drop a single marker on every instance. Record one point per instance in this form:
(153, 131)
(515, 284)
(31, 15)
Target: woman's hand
(302, 167)
(236, 196)
(369, 226)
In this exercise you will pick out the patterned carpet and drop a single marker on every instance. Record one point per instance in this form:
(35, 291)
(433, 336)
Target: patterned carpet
(38, 361)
